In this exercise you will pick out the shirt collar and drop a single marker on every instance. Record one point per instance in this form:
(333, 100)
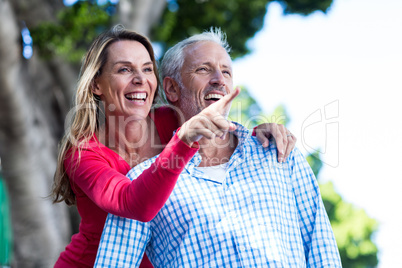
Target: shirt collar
(238, 156)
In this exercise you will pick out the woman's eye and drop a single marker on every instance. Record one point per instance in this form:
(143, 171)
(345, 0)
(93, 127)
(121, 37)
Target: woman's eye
(124, 70)
(148, 70)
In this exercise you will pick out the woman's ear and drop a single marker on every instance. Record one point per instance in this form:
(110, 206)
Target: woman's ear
(171, 88)
(95, 88)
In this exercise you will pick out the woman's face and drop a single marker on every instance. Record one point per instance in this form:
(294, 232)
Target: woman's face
(128, 83)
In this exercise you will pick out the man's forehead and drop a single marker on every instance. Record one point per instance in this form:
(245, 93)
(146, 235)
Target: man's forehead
(208, 53)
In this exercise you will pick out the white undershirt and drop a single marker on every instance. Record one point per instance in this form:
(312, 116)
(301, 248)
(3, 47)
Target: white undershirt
(216, 173)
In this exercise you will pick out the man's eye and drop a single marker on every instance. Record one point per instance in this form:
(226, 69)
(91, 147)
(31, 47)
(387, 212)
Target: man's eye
(228, 73)
(202, 69)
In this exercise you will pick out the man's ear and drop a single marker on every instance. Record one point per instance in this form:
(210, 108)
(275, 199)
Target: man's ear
(171, 88)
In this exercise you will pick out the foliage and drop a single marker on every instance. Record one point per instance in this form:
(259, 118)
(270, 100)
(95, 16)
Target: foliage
(184, 18)
(78, 24)
(247, 111)
(74, 30)
(305, 7)
(280, 116)
(315, 162)
(240, 19)
(352, 227)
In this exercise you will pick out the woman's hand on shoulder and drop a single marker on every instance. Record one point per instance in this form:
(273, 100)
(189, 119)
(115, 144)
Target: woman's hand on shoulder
(285, 140)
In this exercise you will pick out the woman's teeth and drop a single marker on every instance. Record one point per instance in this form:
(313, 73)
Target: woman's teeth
(136, 96)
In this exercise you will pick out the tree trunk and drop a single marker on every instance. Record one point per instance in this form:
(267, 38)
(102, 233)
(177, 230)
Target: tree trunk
(35, 96)
(140, 15)
(28, 130)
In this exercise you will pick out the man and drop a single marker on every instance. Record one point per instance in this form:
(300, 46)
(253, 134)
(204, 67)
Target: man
(234, 205)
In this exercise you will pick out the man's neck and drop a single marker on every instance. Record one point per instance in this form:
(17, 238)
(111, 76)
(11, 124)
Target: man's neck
(217, 151)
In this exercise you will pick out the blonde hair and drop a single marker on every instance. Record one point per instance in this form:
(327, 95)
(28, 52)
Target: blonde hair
(85, 121)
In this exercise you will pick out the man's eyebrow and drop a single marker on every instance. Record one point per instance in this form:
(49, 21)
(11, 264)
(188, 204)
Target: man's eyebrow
(203, 63)
(227, 66)
(209, 64)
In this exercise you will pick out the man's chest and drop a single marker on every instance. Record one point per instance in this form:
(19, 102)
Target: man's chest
(252, 215)
(256, 196)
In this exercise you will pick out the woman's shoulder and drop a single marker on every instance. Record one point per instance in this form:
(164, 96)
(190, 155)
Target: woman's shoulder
(166, 122)
(84, 147)
(165, 112)
(92, 151)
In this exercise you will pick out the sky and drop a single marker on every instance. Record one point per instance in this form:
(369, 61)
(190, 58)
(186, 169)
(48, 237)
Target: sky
(339, 75)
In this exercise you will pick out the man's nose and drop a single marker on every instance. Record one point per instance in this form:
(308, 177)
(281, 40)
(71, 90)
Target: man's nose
(217, 78)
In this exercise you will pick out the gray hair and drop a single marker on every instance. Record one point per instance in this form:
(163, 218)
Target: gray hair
(173, 59)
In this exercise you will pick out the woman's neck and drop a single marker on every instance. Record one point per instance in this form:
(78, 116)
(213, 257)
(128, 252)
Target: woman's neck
(134, 140)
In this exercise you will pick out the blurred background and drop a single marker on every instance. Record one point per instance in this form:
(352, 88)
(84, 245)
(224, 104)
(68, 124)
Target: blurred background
(328, 69)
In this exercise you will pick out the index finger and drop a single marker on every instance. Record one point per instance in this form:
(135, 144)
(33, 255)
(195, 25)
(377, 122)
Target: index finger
(227, 99)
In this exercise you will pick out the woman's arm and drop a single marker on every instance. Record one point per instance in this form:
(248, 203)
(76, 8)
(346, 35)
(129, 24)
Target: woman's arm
(113, 192)
(142, 198)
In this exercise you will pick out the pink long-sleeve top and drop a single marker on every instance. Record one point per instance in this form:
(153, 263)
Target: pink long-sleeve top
(101, 187)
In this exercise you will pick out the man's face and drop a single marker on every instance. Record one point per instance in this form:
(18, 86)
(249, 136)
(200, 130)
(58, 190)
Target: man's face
(206, 77)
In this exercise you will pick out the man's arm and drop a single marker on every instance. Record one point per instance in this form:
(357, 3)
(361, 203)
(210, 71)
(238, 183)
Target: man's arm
(123, 242)
(319, 242)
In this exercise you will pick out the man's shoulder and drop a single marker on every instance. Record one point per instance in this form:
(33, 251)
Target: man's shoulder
(250, 145)
(138, 169)
(256, 147)
(254, 150)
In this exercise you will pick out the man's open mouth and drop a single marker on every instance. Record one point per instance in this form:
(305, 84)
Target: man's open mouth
(213, 97)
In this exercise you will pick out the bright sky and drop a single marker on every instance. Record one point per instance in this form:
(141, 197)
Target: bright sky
(338, 76)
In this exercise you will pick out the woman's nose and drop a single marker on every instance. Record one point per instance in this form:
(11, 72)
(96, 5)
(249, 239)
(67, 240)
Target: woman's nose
(138, 78)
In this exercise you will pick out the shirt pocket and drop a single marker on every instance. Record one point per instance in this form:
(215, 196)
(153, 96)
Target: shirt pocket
(260, 244)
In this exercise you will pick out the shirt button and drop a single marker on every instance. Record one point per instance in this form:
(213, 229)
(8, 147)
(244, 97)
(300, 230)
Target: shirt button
(242, 248)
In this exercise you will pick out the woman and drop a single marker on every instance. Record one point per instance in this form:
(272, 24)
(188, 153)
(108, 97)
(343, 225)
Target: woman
(119, 70)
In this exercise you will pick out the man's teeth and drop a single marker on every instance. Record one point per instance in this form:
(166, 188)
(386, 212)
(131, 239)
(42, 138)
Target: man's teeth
(213, 96)
(136, 96)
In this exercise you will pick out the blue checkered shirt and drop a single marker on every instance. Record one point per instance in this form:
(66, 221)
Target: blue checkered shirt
(264, 214)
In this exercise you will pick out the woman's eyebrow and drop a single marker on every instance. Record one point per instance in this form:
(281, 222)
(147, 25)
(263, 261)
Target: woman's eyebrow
(129, 62)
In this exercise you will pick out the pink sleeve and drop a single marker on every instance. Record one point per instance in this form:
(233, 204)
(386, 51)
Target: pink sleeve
(140, 199)
(254, 131)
